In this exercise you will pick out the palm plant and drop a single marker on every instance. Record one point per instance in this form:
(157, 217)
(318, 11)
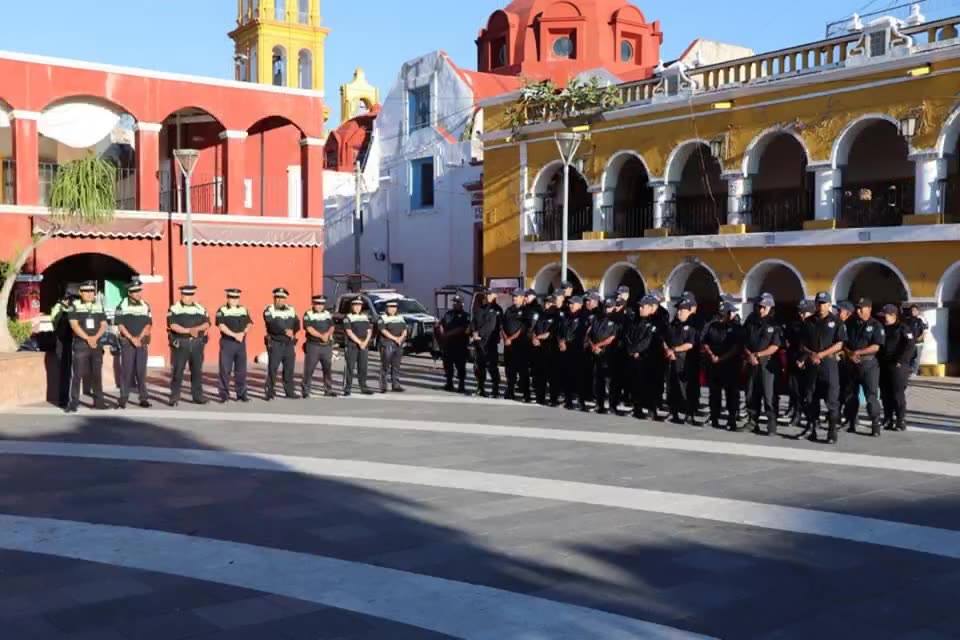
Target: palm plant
(83, 192)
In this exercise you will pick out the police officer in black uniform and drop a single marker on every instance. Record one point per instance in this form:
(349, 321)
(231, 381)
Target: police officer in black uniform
(59, 318)
(844, 310)
(187, 325)
(531, 313)
(897, 351)
(485, 336)
(234, 322)
(919, 327)
(823, 338)
(543, 338)
(318, 346)
(592, 308)
(565, 292)
(661, 318)
(624, 316)
(602, 340)
(796, 362)
(88, 322)
(452, 331)
(762, 341)
(516, 348)
(282, 324)
(358, 330)
(723, 348)
(134, 322)
(572, 363)
(393, 335)
(865, 337)
(681, 348)
(643, 346)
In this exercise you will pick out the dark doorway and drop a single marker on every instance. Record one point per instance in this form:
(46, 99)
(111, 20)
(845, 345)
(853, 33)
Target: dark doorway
(111, 276)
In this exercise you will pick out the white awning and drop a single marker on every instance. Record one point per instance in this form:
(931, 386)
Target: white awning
(78, 124)
(245, 235)
(117, 228)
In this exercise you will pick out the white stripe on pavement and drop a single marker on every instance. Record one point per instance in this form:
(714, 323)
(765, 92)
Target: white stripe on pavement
(713, 447)
(455, 608)
(941, 542)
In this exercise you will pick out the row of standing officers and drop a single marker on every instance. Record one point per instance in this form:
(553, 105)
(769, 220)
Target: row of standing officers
(587, 350)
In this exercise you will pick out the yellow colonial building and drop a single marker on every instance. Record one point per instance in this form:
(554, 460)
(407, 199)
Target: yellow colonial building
(829, 166)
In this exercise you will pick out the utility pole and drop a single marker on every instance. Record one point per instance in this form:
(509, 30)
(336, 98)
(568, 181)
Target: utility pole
(357, 220)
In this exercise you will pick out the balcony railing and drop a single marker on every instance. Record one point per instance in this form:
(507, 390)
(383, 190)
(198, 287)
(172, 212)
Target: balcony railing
(206, 197)
(875, 204)
(126, 189)
(777, 210)
(47, 172)
(629, 221)
(549, 222)
(8, 180)
(696, 215)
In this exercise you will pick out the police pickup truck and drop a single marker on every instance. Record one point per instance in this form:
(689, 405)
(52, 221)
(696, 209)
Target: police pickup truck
(420, 323)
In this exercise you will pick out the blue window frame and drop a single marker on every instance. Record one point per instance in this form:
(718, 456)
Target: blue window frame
(419, 107)
(421, 184)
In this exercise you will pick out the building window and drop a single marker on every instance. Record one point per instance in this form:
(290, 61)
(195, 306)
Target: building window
(563, 47)
(305, 69)
(419, 107)
(254, 69)
(878, 44)
(279, 67)
(421, 192)
(499, 50)
(279, 10)
(396, 273)
(626, 51)
(304, 14)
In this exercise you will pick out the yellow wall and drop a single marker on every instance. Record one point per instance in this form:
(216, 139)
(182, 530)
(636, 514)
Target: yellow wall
(818, 120)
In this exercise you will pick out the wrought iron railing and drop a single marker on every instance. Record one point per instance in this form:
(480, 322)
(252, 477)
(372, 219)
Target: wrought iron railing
(206, 197)
(875, 204)
(126, 190)
(549, 223)
(47, 172)
(696, 215)
(629, 221)
(8, 181)
(776, 210)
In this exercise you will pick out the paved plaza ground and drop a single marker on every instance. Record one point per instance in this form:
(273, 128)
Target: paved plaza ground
(428, 515)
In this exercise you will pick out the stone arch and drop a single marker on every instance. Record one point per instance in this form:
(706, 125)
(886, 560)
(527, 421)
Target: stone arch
(543, 177)
(704, 276)
(677, 160)
(623, 273)
(840, 153)
(846, 284)
(779, 278)
(611, 173)
(548, 279)
(949, 134)
(756, 148)
(72, 269)
(948, 290)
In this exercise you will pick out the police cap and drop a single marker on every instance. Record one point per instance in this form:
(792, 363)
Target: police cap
(656, 293)
(823, 298)
(727, 307)
(135, 286)
(891, 309)
(392, 303)
(233, 292)
(457, 298)
(596, 297)
(88, 286)
(688, 296)
(280, 292)
(610, 302)
(519, 293)
(686, 304)
(864, 303)
(320, 299)
(530, 292)
(766, 300)
(805, 306)
(622, 290)
(846, 305)
(566, 285)
(188, 289)
(576, 300)
(357, 300)
(649, 300)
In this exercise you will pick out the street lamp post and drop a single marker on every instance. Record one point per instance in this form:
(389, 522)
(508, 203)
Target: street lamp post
(187, 161)
(567, 144)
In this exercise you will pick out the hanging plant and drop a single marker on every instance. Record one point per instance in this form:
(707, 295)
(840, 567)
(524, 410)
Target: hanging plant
(544, 102)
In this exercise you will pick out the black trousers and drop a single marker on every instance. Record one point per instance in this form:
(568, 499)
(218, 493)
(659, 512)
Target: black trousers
(133, 365)
(233, 362)
(642, 376)
(619, 385)
(795, 383)
(280, 353)
(187, 351)
(64, 370)
(600, 366)
(545, 372)
(356, 363)
(823, 383)
(893, 390)
(866, 376)
(455, 360)
(724, 381)
(684, 390)
(761, 391)
(391, 355)
(487, 362)
(87, 368)
(516, 359)
(572, 369)
(317, 353)
(586, 388)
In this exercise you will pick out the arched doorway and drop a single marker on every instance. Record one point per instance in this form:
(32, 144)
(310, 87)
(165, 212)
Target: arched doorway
(701, 201)
(699, 280)
(779, 279)
(549, 215)
(782, 191)
(623, 274)
(548, 280)
(632, 199)
(877, 176)
(872, 278)
(111, 275)
(948, 297)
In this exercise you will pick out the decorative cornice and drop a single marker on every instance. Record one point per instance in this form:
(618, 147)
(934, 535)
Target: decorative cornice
(229, 134)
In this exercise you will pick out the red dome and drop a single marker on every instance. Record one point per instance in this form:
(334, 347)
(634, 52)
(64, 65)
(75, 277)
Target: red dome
(558, 39)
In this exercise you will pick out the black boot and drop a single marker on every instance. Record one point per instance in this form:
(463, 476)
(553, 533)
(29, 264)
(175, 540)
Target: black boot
(875, 428)
(772, 424)
(832, 431)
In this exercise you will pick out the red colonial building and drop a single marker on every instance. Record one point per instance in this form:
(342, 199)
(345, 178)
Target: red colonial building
(255, 195)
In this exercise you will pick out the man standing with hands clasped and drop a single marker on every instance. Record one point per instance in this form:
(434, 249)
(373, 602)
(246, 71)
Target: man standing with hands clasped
(318, 325)
(88, 322)
(234, 322)
(187, 323)
(393, 335)
(282, 325)
(358, 330)
(134, 322)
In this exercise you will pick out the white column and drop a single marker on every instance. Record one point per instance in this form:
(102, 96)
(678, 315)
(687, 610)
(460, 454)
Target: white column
(738, 188)
(663, 193)
(930, 170)
(528, 209)
(826, 180)
(935, 344)
(603, 217)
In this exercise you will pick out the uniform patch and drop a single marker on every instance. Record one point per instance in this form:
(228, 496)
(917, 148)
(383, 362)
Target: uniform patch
(686, 328)
(869, 329)
(769, 329)
(831, 324)
(910, 336)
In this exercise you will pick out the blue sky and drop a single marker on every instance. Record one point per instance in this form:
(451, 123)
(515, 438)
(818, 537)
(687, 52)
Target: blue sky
(189, 36)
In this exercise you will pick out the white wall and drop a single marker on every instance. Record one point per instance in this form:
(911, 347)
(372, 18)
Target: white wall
(435, 245)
